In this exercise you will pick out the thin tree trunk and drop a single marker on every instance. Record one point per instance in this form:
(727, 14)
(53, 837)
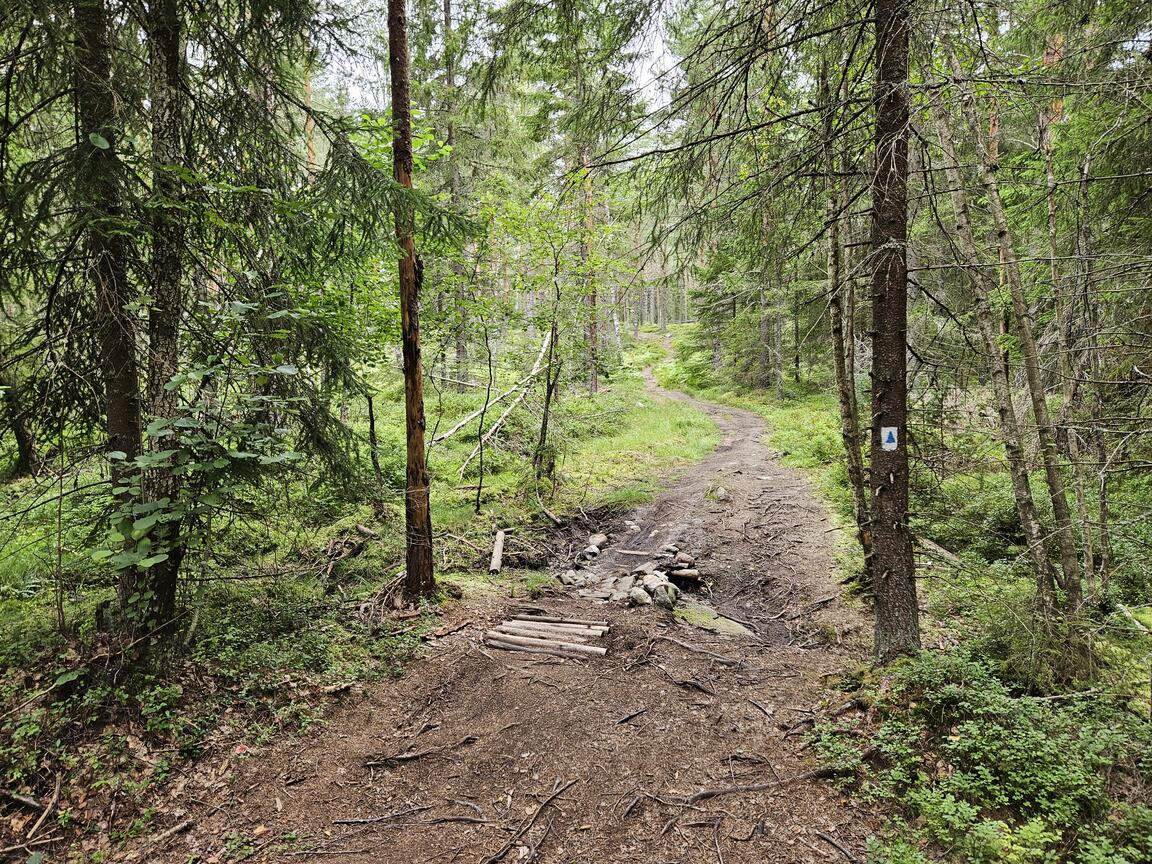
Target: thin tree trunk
(589, 281)
(458, 271)
(1069, 565)
(166, 61)
(897, 613)
(27, 459)
(845, 384)
(417, 511)
(1010, 432)
(100, 199)
(374, 443)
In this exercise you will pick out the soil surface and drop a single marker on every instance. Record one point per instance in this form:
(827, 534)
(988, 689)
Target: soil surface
(479, 755)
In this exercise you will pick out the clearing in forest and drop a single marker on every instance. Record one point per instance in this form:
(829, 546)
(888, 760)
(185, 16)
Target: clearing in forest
(681, 744)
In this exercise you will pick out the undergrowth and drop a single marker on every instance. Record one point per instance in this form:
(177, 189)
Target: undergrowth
(281, 615)
(995, 748)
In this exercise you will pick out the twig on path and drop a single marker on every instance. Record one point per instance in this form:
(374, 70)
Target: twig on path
(47, 810)
(705, 794)
(528, 823)
(409, 756)
(330, 852)
(720, 658)
(763, 710)
(371, 820)
(631, 716)
(837, 845)
(28, 844)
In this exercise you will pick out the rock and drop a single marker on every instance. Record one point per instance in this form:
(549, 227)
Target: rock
(609, 584)
(683, 559)
(671, 547)
(639, 597)
(598, 540)
(652, 581)
(569, 577)
(685, 578)
(646, 567)
(631, 526)
(591, 552)
(618, 595)
(625, 584)
(665, 595)
(723, 494)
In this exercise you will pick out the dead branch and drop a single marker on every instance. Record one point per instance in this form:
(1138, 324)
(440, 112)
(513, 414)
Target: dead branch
(528, 823)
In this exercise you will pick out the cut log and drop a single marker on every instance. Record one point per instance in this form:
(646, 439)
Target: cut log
(525, 616)
(555, 652)
(497, 553)
(527, 642)
(540, 633)
(561, 625)
(550, 632)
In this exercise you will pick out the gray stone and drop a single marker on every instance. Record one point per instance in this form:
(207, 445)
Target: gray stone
(665, 596)
(683, 559)
(598, 540)
(609, 584)
(625, 584)
(646, 567)
(591, 552)
(639, 597)
(652, 581)
(618, 595)
(569, 577)
(723, 494)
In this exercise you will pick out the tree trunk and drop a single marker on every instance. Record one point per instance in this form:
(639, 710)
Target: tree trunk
(897, 613)
(845, 383)
(1010, 432)
(458, 270)
(27, 459)
(1069, 565)
(166, 61)
(100, 200)
(417, 512)
(589, 282)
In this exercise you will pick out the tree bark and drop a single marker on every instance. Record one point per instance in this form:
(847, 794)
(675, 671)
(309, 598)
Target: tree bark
(460, 292)
(589, 281)
(1069, 563)
(417, 511)
(845, 381)
(166, 61)
(100, 200)
(1010, 432)
(897, 613)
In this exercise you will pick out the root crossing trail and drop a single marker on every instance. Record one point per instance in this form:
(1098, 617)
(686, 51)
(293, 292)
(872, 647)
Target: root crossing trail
(681, 745)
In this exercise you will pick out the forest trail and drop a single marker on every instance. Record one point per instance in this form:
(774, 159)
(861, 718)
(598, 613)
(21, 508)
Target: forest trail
(500, 756)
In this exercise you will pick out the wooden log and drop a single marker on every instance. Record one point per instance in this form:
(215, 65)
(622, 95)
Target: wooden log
(585, 632)
(562, 625)
(497, 553)
(552, 620)
(541, 633)
(555, 652)
(527, 642)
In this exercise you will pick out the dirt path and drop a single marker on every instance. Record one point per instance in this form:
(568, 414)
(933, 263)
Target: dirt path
(530, 758)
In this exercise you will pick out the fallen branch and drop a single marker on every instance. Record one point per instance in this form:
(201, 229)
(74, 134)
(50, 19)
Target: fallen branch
(705, 794)
(487, 436)
(372, 820)
(720, 658)
(412, 755)
(835, 844)
(47, 810)
(527, 823)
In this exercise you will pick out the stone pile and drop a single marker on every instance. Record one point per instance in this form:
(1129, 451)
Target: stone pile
(658, 581)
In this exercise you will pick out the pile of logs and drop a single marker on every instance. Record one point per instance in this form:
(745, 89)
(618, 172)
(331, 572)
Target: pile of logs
(544, 634)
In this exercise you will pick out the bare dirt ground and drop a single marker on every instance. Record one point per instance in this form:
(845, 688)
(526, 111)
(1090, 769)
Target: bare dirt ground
(478, 755)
